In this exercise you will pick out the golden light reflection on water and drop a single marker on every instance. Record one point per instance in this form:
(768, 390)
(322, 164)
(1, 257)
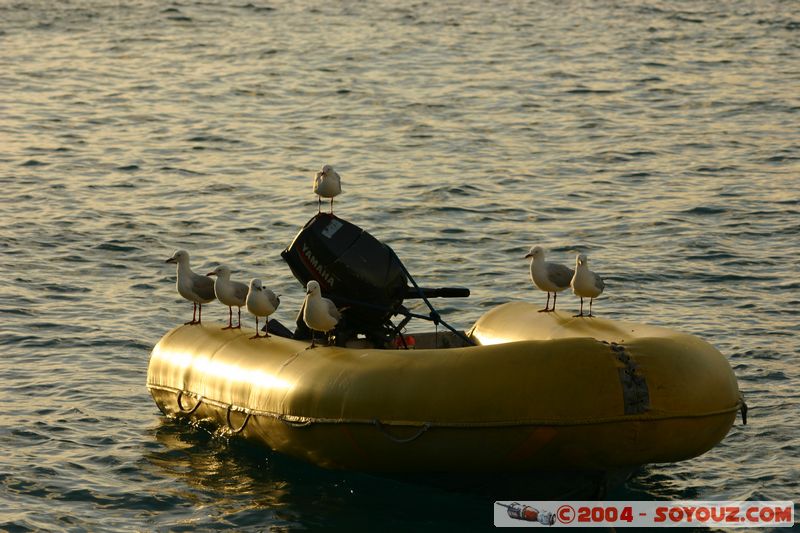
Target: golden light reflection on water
(659, 138)
(226, 473)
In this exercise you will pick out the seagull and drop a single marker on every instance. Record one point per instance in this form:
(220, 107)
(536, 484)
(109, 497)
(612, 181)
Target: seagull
(196, 288)
(230, 293)
(261, 302)
(548, 277)
(319, 314)
(586, 283)
(327, 184)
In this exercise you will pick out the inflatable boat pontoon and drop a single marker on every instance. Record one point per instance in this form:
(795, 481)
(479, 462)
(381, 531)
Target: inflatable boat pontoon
(521, 390)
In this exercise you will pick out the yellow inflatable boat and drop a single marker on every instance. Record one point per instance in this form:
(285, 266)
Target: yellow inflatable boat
(537, 391)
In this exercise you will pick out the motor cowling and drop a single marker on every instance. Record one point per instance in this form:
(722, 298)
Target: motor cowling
(354, 269)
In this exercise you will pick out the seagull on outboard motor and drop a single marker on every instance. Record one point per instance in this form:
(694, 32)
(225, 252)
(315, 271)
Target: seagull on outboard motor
(327, 184)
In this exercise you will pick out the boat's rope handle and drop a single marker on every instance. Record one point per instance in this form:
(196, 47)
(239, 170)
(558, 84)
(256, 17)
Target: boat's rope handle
(188, 411)
(230, 426)
(382, 427)
(292, 424)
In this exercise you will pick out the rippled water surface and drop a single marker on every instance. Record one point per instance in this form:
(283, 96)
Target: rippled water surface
(661, 138)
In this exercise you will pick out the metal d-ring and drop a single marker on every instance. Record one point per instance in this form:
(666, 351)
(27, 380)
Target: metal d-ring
(743, 409)
(230, 426)
(382, 427)
(188, 411)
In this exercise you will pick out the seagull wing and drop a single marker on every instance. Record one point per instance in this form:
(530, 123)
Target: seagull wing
(559, 274)
(273, 300)
(240, 290)
(332, 310)
(599, 283)
(203, 286)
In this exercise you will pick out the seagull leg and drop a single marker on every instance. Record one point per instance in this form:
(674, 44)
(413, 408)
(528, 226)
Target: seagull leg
(319, 204)
(555, 295)
(591, 300)
(312, 341)
(331, 205)
(547, 305)
(581, 313)
(230, 318)
(194, 315)
(256, 336)
(199, 313)
(239, 324)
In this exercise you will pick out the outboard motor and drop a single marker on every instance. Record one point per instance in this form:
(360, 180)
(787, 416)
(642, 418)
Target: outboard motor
(360, 274)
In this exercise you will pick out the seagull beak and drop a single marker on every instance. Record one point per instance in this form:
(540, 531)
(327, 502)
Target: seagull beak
(171, 260)
(528, 255)
(211, 274)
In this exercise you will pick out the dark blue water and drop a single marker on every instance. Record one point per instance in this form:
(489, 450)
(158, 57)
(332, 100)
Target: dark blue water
(659, 138)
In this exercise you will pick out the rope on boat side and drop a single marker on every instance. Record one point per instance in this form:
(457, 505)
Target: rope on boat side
(295, 422)
(302, 421)
(230, 426)
(382, 427)
(188, 411)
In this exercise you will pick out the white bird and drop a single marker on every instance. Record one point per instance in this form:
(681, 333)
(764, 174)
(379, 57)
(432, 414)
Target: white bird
(230, 293)
(261, 302)
(319, 314)
(196, 288)
(585, 283)
(327, 184)
(548, 277)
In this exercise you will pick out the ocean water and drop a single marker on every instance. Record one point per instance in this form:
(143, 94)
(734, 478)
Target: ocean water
(660, 138)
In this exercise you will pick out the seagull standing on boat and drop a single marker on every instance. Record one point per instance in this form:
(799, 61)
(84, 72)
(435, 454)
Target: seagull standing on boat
(230, 293)
(327, 184)
(585, 283)
(261, 302)
(548, 277)
(319, 314)
(196, 288)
